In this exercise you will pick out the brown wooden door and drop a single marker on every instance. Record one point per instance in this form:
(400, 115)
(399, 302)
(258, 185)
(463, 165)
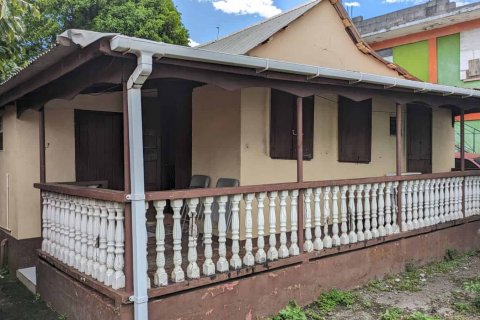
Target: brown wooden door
(99, 147)
(419, 138)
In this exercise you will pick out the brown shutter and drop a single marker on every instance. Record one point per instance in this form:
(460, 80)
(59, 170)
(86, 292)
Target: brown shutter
(281, 125)
(354, 130)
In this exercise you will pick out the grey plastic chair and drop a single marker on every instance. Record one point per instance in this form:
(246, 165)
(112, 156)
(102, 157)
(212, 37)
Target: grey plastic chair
(224, 183)
(196, 182)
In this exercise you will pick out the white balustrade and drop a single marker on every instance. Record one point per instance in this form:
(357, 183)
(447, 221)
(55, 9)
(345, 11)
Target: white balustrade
(317, 220)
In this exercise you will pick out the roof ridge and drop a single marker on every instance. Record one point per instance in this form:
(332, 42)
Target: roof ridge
(311, 2)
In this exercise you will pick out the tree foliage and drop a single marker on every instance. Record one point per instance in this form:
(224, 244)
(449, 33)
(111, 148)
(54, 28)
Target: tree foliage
(157, 20)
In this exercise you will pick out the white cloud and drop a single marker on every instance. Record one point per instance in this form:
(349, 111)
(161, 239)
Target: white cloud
(192, 43)
(459, 2)
(352, 4)
(264, 8)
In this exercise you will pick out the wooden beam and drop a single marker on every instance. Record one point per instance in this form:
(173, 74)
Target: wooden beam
(41, 135)
(300, 169)
(462, 140)
(399, 140)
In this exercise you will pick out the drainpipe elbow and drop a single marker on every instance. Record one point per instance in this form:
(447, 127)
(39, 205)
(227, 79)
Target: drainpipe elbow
(142, 71)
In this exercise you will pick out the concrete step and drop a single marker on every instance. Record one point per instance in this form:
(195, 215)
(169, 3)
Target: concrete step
(28, 276)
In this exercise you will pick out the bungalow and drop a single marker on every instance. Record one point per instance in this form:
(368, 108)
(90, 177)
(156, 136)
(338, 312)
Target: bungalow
(151, 180)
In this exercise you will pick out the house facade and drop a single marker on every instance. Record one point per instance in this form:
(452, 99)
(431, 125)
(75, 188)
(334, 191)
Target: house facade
(437, 41)
(332, 148)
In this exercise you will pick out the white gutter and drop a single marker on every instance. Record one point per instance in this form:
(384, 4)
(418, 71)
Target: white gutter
(125, 44)
(137, 196)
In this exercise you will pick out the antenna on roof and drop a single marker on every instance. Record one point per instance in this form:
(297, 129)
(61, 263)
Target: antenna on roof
(218, 31)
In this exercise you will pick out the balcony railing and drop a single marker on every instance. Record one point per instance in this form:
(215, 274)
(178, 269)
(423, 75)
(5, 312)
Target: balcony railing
(206, 235)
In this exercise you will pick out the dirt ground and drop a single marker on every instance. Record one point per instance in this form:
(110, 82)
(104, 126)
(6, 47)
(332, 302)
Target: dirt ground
(17, 303)
(448, 289)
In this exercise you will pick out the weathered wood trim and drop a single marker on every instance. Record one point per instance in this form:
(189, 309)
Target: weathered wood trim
(93, 193)
(212, 192)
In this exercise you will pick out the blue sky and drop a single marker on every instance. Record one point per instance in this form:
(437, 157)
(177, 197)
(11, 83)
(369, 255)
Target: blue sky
(203, 17)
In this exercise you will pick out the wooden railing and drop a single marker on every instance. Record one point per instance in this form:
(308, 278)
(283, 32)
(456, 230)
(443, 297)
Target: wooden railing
(202, 233)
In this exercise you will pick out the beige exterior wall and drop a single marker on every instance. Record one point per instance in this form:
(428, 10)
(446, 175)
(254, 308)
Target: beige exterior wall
(216, 133)
(20, 203)
(443, 140)
(319, 38)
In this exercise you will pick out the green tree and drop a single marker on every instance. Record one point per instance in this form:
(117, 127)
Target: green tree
(157, 20)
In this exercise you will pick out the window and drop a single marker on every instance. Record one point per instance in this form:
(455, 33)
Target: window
(283, 126)
(354, 130)
(1, 133)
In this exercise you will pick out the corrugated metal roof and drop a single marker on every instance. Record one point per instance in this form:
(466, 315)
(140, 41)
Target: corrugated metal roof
(245, 40)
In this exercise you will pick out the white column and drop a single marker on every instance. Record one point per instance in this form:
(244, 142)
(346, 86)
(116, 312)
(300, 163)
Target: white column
(294, 249)
(351, 213)
(381, 213)
(208, 265)
(260, 256)
(335, 238)
(317, 219)
(272, 253)
(308, 245)
(343, 209)
(235, 261)
(248, 259)
(283, 250)
(360, 234)
(368, 232)
(193, 271)
(177, 274)
(222, 263)
(327, 240)
(102, 243)
(375, 233)
(118, 281)
(160, 278)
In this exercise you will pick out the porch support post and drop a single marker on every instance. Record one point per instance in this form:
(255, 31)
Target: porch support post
(300, 169)
(137, 196)
(41, 135)
(399, 160)
(126, 186)
(462, 155)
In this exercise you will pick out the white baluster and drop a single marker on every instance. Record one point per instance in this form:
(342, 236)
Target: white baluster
(421, 211)
(426, 200)
(395, 206)
(375, 232)
(60, 233)
(110, 241)
(403, 209)
(344, 211)
(102, 243)
(449, 199)
(56, 246)
(442, 201)
(272, 253)
(50, 213)
(248, 259)
(368, 232)
(235, 261)
(261, 256)
(193, 271)
(308, 244)
(335, 238)
(177, 274)
(294, 249)
(381, 213)
(222, 263)
(327, 240)
(475, 196)
(96, 234)
(283, 250)
(84, 236)
(415, 204)
(468, 196)
(44, 221)
(118, 264)
(66, 229)
(317, 219)
(388, 209)
(410, 205)
(90, 240)
(436, 201)
(360, 234)
(160, 278)
(71, 235)
(351, 213)
(208, 265)
(459, 197)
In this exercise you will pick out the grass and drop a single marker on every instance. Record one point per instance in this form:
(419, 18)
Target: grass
(466, 301)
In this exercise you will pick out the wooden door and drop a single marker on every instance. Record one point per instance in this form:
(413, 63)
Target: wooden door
(419, 138)
(99, 147)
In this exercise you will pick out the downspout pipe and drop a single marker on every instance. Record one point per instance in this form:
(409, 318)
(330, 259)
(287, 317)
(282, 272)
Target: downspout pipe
(137, 180)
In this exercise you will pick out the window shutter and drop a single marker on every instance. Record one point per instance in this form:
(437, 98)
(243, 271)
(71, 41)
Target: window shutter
(354, 130)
